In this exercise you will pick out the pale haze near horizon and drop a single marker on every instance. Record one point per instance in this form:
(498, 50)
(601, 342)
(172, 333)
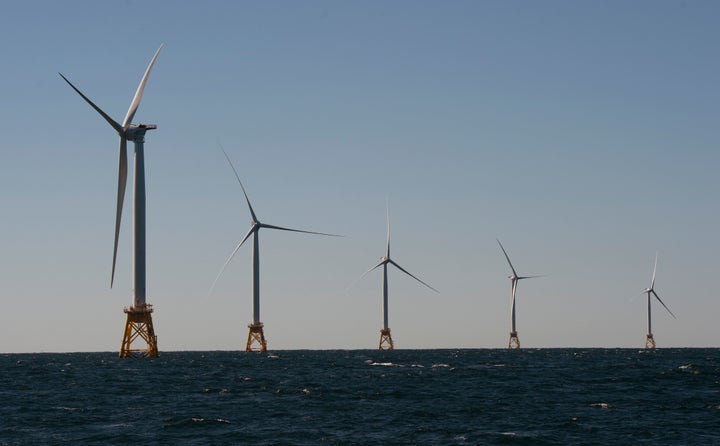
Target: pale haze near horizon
(583, 135)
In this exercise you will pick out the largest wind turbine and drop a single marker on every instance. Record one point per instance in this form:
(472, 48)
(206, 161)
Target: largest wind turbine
(649, 340)
(256, 334)
(514, 279)
(386, 342)
(138, 322)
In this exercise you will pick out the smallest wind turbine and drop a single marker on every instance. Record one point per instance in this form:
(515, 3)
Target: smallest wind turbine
(649, 340)
(386, 342)
(514, 278)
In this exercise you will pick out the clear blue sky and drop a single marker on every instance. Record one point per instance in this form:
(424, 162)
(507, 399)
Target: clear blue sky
(583, 135)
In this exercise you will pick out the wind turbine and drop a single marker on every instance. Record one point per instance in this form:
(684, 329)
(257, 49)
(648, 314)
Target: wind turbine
(514, 278)
(256, 333)
(649, 340)
(386, 342)
(138, 322)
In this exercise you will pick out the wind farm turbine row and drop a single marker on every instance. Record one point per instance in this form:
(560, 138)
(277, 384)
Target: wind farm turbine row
(514, 341)
(138, 323)
(256, 336)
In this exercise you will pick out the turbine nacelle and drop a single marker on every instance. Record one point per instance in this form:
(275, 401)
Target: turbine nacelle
(133, 131)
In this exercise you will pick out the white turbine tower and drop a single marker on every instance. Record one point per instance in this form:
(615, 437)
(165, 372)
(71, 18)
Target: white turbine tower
(386, 342)
(139, 320)
(514, 278)
(256, 333)
(649, 340)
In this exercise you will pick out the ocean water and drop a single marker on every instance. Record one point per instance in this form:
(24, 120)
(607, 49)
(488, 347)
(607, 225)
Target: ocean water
(364, 397)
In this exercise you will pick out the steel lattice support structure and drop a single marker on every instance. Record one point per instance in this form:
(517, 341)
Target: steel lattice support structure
(386, 342)
(649, 341)
(256, 336)
(514, 340)
(138, 324)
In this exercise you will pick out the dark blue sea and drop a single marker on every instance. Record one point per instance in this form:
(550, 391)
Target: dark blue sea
(364, 397)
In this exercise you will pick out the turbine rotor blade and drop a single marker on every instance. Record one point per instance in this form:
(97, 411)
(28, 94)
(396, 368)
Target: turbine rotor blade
(227, 262)
(139, 92)
(530, 277)
(663, 304)
(118, 128)
(507, 257)
(387, 209)
(652, 284)
(254, 228)
(122, 183)
(632, 299)
(365, 274)
(252, 213)
(403, 270)
(263, 225)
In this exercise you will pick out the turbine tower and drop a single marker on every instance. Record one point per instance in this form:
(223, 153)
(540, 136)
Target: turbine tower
(138, 321)
(649, 340)
(256, 334)
(514, 278)
(386, 342)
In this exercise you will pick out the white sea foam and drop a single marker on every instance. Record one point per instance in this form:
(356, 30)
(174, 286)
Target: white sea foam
(387, 364)
(600, 405)
(68, 409)
(216, 420)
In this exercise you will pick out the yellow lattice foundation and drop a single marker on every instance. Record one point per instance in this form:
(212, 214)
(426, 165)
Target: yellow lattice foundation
(256, 338)
(386, 342)
(649, 341)
(514, 340)
(138, 324)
